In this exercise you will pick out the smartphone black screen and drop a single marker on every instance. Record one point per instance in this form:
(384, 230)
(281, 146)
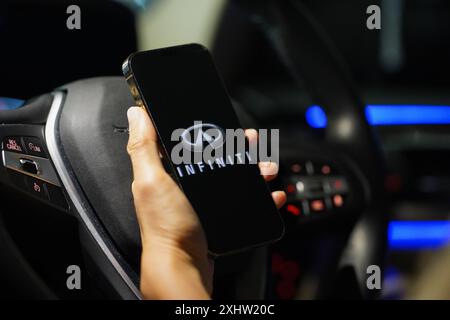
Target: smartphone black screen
(181, 85)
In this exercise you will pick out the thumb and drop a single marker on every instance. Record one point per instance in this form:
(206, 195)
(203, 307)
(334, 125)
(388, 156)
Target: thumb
(142, 144)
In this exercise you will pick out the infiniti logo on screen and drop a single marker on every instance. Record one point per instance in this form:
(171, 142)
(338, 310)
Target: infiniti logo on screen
(206, 147)
(198, 136)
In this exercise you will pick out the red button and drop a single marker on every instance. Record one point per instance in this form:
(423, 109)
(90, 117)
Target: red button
(338, 201)
(325, 169)
(296, 168)
(290, 188)
(293, 209)
(338, 184)
(12, 144)
(36, 187)
(317, 205)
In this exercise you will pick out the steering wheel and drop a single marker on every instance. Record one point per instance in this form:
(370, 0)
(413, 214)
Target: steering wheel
(336, 198)
(67, 149)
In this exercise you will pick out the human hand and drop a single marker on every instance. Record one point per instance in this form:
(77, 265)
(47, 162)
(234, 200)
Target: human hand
(174, 261)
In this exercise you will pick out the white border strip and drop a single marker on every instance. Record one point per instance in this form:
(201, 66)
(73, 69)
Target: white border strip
(55, 156)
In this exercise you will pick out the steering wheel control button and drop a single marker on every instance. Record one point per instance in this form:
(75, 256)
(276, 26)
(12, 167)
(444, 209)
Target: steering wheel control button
(298, 168)
(300, 186)
(290, 189)
(29, 166)
(315, 186)
(13, 144)
(56, 196)
(317, 205)
(293, 209)
(337, 185)
(338, 201)
(34, 146)
(325, 169)
(309, 168)
(37, 187)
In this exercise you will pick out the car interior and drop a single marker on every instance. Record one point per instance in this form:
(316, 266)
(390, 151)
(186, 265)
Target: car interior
(364, 120)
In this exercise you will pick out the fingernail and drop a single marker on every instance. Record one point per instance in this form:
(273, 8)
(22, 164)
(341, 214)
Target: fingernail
(268, 168)
(133, 116)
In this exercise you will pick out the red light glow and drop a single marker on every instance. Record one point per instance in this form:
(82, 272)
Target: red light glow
(294, 210)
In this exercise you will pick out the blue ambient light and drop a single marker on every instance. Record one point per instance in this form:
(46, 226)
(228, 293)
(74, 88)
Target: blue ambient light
(10, 103)
(418, 234)
(316, 117)
(407, 114)
(382, 115)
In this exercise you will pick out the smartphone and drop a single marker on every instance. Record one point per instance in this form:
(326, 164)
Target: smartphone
(181, 89)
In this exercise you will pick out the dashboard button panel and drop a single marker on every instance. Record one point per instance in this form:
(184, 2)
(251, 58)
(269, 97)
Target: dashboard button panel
(314, 188)
(29, 169)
